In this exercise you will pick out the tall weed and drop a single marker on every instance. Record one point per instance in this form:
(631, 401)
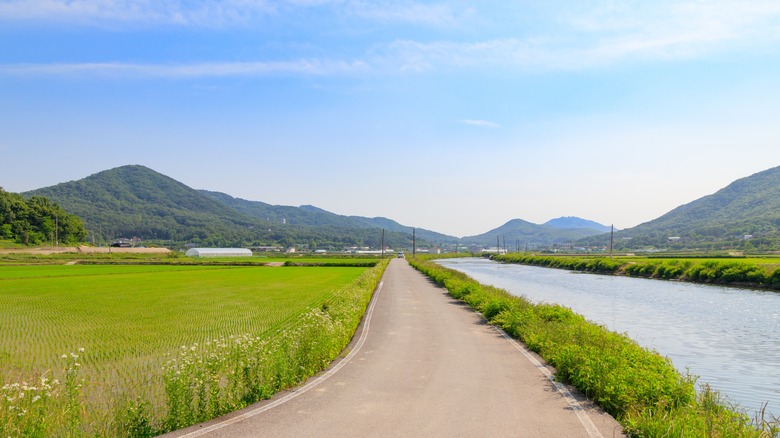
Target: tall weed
(44, 406)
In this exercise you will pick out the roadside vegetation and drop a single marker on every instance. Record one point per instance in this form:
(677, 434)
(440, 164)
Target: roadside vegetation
(95, 350)
(753, 272)
(639, 387)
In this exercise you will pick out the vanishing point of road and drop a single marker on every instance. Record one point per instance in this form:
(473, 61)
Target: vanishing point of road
(421, 364)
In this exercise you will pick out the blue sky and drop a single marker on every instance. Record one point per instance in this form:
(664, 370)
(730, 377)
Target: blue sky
(449, 115)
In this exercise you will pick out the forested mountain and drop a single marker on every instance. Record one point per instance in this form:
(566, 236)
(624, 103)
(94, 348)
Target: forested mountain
(37, 221)
(134, 201)
(131, 201)
(745, 214)
(309, 215)
(518, 231)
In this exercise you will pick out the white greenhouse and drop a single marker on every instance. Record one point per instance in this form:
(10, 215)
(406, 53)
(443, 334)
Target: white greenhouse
(218, 252)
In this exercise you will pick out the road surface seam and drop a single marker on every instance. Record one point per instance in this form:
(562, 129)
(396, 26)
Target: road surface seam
(306, 387)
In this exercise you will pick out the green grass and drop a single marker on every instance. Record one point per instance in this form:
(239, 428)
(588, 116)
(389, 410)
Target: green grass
(5, 243)
(127, 318)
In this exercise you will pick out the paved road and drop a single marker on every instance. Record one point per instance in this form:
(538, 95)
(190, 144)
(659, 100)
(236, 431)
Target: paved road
(426, 366)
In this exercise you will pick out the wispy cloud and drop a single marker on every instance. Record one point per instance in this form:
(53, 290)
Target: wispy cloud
(224, 12)
(584, 36)
(673, 28)
(411, 12)
(162, 11)
(216, 69)
(480, 123)
(604, 34)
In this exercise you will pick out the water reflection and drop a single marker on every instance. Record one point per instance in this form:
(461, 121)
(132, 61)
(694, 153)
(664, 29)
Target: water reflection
(729, 337)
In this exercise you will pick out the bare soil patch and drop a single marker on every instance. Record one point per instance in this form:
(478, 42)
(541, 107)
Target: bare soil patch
(105, 250)
(48, 250)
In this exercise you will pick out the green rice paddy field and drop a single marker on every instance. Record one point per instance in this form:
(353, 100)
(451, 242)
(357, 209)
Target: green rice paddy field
(130, 318)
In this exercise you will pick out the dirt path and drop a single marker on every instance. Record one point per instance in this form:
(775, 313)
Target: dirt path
(422, 364)
(48, 250)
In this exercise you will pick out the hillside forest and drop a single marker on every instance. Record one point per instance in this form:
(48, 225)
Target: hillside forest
(37, 221)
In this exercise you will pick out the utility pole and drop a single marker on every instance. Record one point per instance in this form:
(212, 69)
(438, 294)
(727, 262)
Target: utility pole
(383, 243)
(497, 244)
(57, 230)
(611, 237)
(414, 242)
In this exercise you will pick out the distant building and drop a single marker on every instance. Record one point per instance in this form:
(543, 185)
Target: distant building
(266, 248)
(218, 252)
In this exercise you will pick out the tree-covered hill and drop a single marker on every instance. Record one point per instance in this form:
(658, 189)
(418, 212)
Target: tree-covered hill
(745, 214)
(37, 221)
(311, 216)
(135, 201)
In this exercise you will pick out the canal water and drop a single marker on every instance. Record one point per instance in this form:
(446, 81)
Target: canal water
(728, 337)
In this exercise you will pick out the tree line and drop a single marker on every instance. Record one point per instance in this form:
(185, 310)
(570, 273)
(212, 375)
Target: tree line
(37, 221)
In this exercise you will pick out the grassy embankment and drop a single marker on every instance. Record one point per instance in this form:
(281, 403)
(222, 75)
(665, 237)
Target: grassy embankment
(140, 350)
(639, 387)
(756, 272)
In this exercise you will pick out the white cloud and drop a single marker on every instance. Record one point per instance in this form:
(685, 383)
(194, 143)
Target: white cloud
(224, 12)
(599, 33)
(410, 12)
(216, 69)
(675, 28)
(480, 123)
(96, 12)
(590, 34)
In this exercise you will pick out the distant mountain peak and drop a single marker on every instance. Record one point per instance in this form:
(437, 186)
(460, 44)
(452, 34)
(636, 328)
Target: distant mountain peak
(520, 231)
(576, 223)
